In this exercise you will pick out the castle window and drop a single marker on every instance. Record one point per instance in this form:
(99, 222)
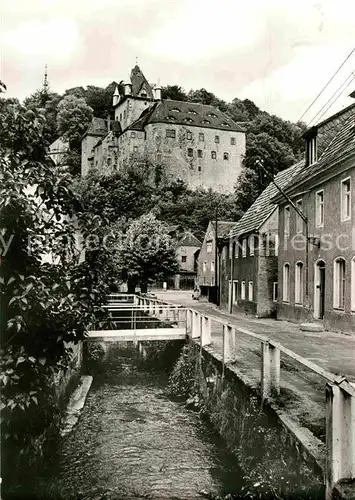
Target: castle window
(225, 156)
(212, 115)
(206, 121)
(233, 141)
(199, 153)
(216, 138)
(201, 137)
(192, 112)
(190, 152)
(133, 135)
(213, 155)
(190, 120)
(199, 168)
(171, 133)
(135, 149)
(189, 135)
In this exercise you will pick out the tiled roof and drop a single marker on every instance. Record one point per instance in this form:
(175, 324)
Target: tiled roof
(223, 227)
(189, 240)
(97, 126)
(139, 82)
(263, 207)
(341, 144)
(191, 113)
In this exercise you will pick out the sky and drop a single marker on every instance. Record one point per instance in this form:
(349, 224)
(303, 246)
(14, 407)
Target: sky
(278, 53)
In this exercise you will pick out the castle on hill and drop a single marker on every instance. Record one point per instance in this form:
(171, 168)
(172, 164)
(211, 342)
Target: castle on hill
(197, 143)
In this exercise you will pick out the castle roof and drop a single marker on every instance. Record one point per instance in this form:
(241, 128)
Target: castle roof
(140, 83)
(263, 207)
(186, 113)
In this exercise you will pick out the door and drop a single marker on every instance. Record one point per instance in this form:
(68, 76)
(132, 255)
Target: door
(319, 289)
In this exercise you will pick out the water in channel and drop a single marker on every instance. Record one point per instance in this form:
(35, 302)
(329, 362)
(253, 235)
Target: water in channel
(133, 442)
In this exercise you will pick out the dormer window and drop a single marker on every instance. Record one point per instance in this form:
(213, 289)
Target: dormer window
(225, 124)
(188, 120)
(212, 115)
(206, 121)
(170, 117)
(192, 112)
(143, 94)
(312, 150)
(176, 110)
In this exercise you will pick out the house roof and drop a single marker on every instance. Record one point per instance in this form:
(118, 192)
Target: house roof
(189, 240)
(340, 145)
(98, 126)
(223, 227)
(185, 113)
(263, 207)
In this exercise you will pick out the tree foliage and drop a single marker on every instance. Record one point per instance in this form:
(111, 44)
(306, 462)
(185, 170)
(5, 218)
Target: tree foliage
(44, 306)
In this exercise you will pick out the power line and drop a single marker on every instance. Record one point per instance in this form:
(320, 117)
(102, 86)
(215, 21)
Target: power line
(341, 92)
(326, 85)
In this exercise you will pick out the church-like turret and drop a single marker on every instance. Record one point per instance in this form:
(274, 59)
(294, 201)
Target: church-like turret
(116, 97)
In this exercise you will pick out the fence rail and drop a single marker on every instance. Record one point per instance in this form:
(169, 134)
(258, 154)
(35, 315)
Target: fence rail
(340, 393)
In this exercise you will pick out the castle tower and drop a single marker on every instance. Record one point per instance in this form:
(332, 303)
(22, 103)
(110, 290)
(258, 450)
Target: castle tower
(116, 97)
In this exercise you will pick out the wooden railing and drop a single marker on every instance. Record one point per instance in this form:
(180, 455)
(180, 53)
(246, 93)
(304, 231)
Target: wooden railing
(340, 393)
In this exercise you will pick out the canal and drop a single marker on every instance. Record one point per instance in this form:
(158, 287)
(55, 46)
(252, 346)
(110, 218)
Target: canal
(133, 442)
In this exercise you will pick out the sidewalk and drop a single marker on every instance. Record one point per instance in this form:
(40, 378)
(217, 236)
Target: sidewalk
(302, 390)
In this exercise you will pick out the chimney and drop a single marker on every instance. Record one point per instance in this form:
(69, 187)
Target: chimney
(116, 97)
(157, 93)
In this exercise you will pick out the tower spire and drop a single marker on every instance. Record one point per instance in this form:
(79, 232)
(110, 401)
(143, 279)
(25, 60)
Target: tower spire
(45, 81)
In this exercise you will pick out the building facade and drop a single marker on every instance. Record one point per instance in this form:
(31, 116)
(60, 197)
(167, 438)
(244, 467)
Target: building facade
(317, 255)
(209, 259)
(248, 273)
(186, 250)
(195, 142)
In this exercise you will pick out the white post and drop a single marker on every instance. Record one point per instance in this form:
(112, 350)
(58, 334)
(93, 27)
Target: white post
(135, 300)
(205, 331)
(340, 435)
(151, 307)
(188, 321)
(196, 325)
(270, 369)
(228, 343)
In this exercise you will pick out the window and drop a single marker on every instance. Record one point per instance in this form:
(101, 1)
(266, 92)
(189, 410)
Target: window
(299, 283)
(287, 221)
(171, 133)
(120, 117)
(133, 134)
(209, 246)
(216, 139)
(189, 135)
(183, 258)
(346, 199)
(236, 250)
(199, 168)
(275, 291)
(233, 141)
(212, 266)
(286, 283)
(135, 148)
(225, 156)
(204, 266)
(312, 150)
(250, 290)
(235, 292)
(190, 152)
(299, 220)
(320, 208)
(251, 245)
(177, 110)
(352, 284)
(276, 245)
(201, 137)
(143, 94)
(339, 284)
(212, 115)
(213, 155)
(199, 153)
(242, 290)
(244, 248)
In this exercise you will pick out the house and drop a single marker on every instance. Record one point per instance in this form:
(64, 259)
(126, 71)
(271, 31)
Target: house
(195, 142)
(316, 265)
(58, 151)
(209, 259)
(186, 250)
(248, 272)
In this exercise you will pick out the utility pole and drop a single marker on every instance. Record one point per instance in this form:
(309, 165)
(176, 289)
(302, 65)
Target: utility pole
(216, 273)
